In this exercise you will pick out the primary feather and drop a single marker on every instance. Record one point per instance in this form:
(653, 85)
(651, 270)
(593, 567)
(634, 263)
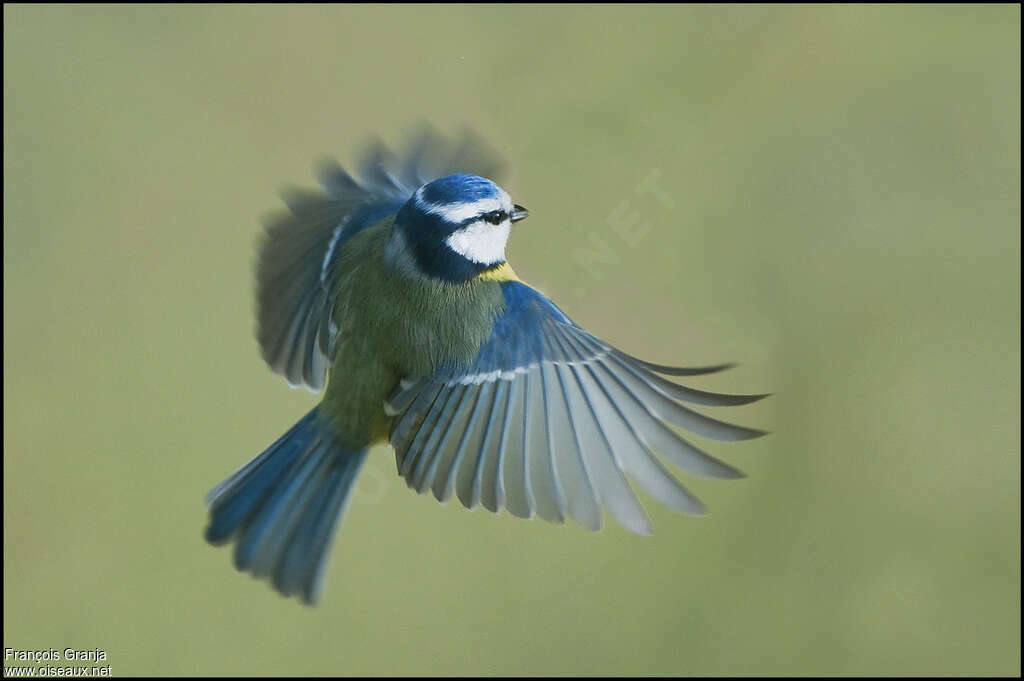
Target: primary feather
(570, 420)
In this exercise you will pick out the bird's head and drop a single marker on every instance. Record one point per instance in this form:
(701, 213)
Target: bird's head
(455, 228)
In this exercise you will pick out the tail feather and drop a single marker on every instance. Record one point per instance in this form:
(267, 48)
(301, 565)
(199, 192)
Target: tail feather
(282, 507)
(302, 565)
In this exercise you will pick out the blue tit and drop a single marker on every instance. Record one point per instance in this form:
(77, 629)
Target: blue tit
(395, 284)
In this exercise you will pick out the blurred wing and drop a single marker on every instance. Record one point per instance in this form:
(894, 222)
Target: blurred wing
(298, 257)
(551, 420)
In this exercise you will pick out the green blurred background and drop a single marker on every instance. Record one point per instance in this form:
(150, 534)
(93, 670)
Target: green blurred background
(844, 221)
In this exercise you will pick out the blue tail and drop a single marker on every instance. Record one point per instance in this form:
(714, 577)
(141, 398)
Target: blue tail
(282, 507)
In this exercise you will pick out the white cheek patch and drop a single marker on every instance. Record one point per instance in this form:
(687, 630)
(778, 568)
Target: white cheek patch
(481, 242)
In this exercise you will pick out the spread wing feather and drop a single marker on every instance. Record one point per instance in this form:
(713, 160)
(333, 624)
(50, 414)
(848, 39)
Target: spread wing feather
(549, 420)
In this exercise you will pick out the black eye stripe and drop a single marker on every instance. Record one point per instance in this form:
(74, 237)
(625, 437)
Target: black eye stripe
(495, 217)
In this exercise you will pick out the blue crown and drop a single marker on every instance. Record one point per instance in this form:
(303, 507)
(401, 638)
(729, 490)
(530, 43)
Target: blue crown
(460, 188)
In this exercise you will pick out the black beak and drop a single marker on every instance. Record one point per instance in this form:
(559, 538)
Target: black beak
(519, 213)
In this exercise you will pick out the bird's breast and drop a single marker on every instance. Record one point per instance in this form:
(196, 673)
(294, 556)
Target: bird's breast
(390, 327)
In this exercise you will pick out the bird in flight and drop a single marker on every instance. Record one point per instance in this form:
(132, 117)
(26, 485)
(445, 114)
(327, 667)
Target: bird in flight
(388, 290)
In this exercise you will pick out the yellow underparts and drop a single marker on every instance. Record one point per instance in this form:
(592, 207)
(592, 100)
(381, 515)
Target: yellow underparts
(502, 272)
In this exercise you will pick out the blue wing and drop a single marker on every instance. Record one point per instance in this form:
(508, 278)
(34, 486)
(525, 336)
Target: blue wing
(298, 258)
(551, 420)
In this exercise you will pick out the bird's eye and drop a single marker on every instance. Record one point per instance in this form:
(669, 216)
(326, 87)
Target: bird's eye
(496, 217)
